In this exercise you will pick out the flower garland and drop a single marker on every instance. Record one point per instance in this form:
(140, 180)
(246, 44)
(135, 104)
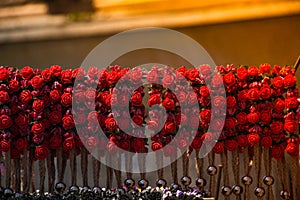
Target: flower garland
(36, 122)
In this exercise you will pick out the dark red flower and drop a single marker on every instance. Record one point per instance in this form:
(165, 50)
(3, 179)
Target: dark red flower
(192, 74)
(242, 140)
(154, 99)
(291, 103)
(14, 85)
(66, 99)
(21, 144)
(279, 105)
(136, 99)
(229, 79)
(276, 127)
(55, 70)
(205, 115)
(5, 122)
(4, 75)
(204, 91)
(266, 141)
(55, 141)
(231, 145)
(156, 146)
(138, 120)
(25, 96)
(37, 82)
(218, 101)
(4, 145)
(277, 151)
(197, 143)
(168, 104)
(217, 81)
(3, 97)
(289, 81)
(253, 94)
(253, 118)
(264, 68)
(241, 118)
(69, 144)
(168, 81)
(218, 148)
(92, 142)
(278, 82)
(231, 102)
(66, 76)
(217, 124)
(265, 92)
(138, 145)
(38, 128)
(230, 122)
(27, 73)
(253, 71)
(41, 152)
(265, 116)
(110, 124)
(292, 149)
(205, 69)
(243, 96)
(21, 120)
(38, 105)
(55, 117)
(46, 75)
(92, 72)
(242, 73)
(68, 122)
(253, 139)
(290, 126)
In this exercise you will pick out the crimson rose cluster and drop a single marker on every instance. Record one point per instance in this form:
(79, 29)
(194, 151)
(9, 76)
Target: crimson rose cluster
(36, 109)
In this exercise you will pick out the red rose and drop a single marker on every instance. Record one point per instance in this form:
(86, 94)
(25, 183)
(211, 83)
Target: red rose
(265, 116)
(276, 127)
(152, 76)
(181, 73)
(93, 72)
(154, 99)
(13, 85)
(205, 115)
(219, 101)
(197, 143)
(253, 139)
(291, 103)
(243, 96)
(218, 148)
(205, 69)
(152, 125)
(66, 99)
(204, 91)
(252, 71)
(170, 127)
(25, 96)
(265, 92)
(66, 76)
(110, 124)
(38, 128)
(22, 120)
(242, 73)
(4, 75)
(55, 142)
(138, 145)
(292, 149)
(253, 94)
(181, 143)
(5, 122)
(241, 118)
(41, 152)
(217, 124)
(37, 82)
(168, 104)
(156, 146)
(253, 118)
(266, 141)
(242, 141)
(69, 144)
(90, 94)
(264, 68)
(290, 126)
(136, 75)
(289, 81)
(46, 75)
(55, 70)
(27, 72)
(230, 122)
(138, 120)
(55, 117)
(125, 145)
(68, 122)
(217, 81)
(38, 105)
(277, 151)
(112, 77)
(92, 142)
(21, 144)
(55, 96)
(192, 74)
(231, 102)
(4, 145)
(229, 79)
(3, 97)
(136, 99)
(278, 82)
(279, 105)
(231, 145)
(182, 97)
(168, 80)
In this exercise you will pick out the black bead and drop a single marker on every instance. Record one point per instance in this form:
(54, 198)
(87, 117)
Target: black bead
(212, 170)
(96, 190)
(226, 190)
(175, 187)
(186, 180)
(18, 195)
(247, 180)
(74, 189)
(237, 189)
(85, 189)
(268, 180)
(200, 182)
(60, 187)
(284, 194)
(161, 183)
(120, 191)
(259, 191)
(129, 182)
(8, 192)
(143, 184)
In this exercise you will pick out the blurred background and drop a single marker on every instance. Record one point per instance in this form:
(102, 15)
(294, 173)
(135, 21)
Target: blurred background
(41, 33)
